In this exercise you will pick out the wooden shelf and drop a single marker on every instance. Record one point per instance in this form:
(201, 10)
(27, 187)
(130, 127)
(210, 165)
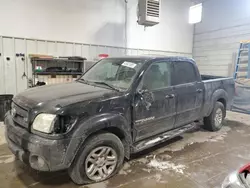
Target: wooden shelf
(57, 73)
(57, 60)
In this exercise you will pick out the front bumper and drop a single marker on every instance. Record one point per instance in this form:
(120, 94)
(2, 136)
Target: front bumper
(40, 153)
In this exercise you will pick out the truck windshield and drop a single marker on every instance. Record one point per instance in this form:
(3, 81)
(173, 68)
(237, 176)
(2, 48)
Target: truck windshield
(115, 73)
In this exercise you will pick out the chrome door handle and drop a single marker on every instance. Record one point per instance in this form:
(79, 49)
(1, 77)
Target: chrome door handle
(170, 96)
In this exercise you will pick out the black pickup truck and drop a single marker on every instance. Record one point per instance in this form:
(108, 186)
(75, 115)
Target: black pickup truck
(118, 107)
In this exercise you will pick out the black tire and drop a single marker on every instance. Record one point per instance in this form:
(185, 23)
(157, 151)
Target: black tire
(77, 169)
(209, 122)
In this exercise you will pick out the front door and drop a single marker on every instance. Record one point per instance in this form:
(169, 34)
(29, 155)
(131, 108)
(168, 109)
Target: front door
(154, 108)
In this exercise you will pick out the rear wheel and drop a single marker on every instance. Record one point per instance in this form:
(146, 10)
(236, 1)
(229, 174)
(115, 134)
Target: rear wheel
(100, 158)
(214, 121)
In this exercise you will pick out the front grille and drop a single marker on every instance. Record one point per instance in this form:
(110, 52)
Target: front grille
(20, 116)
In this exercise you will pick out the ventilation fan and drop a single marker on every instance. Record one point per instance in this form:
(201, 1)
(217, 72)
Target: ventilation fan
(148, 12)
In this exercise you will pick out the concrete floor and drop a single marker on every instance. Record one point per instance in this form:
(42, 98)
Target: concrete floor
(197, 159)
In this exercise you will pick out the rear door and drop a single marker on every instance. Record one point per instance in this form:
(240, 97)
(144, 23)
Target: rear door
(189, 93)
(154, 108)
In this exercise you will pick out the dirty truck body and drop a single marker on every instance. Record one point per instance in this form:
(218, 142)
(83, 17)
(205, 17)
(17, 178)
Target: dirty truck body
(89, 126)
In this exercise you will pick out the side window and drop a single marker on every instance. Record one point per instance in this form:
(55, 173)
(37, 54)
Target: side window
(157, 76)
(184, 73)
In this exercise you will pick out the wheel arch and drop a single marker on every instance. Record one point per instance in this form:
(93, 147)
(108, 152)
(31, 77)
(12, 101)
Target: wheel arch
(219, 95)
(223, 101)
(119, 133)
(112, 123)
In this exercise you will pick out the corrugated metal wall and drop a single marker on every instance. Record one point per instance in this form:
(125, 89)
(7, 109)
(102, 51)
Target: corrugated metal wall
(13, 69)
(215, 51)
(217, 38)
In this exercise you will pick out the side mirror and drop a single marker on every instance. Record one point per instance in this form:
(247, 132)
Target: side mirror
(142, 91)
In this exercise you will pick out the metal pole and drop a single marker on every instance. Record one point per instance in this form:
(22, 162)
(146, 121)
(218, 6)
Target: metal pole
(27, 62)
(36, 46)
(90, 54)
(47, 48)
(81, 50)
(56, 51)
(64, 48)
(126, 24)
(248, 72)
(74, 49)
(4, 75)
(34, 74)
(83, 66)
(14, 57)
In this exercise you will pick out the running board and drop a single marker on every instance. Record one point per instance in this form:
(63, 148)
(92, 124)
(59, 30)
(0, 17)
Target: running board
(141, 145)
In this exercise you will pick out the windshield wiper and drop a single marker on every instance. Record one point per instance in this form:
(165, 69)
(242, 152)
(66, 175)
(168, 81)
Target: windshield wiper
(106, 84)
(84, 81)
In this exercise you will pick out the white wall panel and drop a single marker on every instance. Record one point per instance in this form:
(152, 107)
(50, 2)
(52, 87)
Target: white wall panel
(10, 68)
(31, 49)
(14, 74)
(103, 50)
(87, 28)
(227, 32)
(97, 22)
(174, 33)
(21, 77)
(68, 49)
(42, 47)
(217, 38)
(219, 15)
(86, 51)
(77, 50)
(61, 49)
(52, 48)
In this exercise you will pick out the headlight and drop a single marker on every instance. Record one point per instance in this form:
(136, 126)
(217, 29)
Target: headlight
(44, 123)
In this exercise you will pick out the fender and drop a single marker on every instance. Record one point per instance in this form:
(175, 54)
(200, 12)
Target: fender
(218, 94)
(94, 124)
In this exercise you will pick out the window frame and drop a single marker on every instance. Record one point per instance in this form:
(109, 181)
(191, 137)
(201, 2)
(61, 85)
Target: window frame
(147, 69)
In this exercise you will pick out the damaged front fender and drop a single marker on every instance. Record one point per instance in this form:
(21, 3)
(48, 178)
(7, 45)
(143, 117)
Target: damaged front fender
(111, 122)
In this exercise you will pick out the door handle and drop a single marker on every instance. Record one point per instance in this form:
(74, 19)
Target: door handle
(199, 90)
(170, 96)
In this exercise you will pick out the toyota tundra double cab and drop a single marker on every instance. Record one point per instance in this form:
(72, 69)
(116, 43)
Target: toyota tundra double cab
(118, 107)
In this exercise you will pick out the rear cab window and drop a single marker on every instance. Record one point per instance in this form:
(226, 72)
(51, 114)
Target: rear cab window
(184, 72)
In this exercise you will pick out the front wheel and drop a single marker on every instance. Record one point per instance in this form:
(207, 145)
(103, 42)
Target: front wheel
(101, 157)
(214, 121)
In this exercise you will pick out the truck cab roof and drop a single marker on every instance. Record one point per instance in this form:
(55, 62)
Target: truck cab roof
(156, 58)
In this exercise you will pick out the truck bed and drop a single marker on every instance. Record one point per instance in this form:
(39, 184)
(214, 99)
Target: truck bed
(213, 83)
(210, 77)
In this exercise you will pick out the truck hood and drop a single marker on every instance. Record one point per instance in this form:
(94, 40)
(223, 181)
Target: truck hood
(61, 95)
